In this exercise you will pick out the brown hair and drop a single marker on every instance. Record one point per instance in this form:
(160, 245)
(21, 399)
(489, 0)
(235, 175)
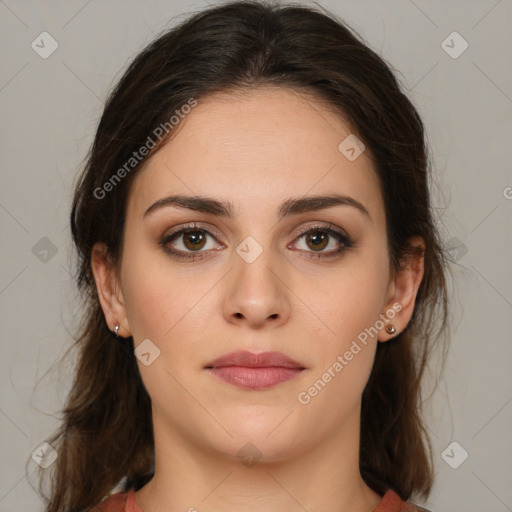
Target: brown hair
(233, 47)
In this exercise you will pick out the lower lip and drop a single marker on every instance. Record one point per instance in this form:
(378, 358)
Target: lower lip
(255, 378)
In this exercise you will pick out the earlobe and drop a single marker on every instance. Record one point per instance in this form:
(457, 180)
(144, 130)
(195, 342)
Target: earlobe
(390, 329)
(403, 290)
(109, 292)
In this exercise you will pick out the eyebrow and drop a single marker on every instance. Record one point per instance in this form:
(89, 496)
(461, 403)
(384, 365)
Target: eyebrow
(292, 206)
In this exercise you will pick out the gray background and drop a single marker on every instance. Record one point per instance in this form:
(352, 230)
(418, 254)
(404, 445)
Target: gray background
(50, 109)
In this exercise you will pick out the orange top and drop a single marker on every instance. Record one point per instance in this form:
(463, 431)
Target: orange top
(125, 502)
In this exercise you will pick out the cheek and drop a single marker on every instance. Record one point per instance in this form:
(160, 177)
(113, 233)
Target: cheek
(346, 337)
(335, 391)
(344, 352)
(155, 298)
(351, 303)
(166, 304)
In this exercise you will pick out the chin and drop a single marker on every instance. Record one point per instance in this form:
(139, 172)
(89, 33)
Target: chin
(250, 450)
(269, 437)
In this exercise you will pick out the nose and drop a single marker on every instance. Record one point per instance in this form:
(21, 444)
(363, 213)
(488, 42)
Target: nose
(256, 293)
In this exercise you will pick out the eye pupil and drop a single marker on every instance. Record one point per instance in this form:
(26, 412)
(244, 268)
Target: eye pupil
(196, 236)
(319, 240)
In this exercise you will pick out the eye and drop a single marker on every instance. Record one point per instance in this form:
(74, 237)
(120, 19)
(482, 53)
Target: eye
(191, 242)
(320, 237)
(188, 240)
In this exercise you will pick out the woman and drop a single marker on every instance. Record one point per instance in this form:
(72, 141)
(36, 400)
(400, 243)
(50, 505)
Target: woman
(262, 275)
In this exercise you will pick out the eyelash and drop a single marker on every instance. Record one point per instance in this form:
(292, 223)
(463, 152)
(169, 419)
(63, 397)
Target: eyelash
(345, 241)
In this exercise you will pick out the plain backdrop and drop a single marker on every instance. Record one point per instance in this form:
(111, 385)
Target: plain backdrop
(50, 108)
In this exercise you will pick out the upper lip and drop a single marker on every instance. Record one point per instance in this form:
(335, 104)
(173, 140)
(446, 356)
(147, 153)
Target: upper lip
(251, 360)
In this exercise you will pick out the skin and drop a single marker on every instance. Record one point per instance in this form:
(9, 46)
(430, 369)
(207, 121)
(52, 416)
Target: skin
(255, 150)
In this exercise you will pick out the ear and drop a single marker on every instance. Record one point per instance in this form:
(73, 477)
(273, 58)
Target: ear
(109, 291)
(402, 290)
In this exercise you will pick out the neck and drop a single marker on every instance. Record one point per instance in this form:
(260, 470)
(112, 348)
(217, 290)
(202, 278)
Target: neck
(323, 477)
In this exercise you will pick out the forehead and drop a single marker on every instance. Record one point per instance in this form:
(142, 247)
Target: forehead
(265, 144)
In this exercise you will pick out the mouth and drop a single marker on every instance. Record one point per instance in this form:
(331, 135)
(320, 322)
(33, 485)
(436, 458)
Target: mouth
(254, 371)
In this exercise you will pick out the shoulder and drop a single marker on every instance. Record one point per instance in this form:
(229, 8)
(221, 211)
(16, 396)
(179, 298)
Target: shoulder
(391, 502)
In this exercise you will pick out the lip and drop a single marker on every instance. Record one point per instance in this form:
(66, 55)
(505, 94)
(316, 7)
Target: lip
(254, 371)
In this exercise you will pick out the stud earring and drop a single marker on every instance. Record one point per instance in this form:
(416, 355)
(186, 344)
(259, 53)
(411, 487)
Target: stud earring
(390, 329)
(116, 328)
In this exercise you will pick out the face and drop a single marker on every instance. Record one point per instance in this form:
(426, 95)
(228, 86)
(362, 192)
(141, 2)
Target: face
(255, 280)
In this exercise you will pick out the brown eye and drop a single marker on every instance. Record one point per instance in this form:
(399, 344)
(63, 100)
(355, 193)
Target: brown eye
(190, 242)
(317, 240)
(194, 240)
